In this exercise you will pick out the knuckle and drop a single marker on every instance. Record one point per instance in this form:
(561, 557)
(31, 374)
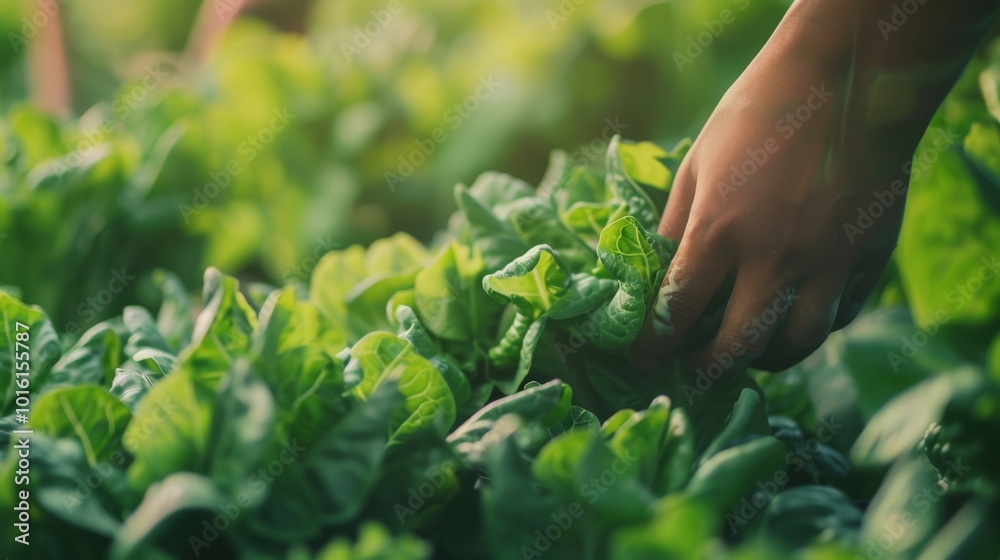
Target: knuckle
(708, 233)
(682, 304)
(737, 342)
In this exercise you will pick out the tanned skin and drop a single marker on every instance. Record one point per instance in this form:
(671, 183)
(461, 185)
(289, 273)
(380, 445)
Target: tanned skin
(871, 90)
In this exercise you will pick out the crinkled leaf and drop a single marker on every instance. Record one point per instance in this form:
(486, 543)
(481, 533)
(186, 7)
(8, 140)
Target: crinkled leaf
(90, 415)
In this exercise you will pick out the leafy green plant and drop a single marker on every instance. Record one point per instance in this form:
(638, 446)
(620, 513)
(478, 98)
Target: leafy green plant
(473, 399)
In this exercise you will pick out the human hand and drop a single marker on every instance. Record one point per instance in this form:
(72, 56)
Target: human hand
(772, 196)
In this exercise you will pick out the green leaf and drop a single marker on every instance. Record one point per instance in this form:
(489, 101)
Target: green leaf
(492, 189)
(366, 303)
(375, 543)
(341, 467)
(155, 524)
(516, 348)
(639, 205)
(145, 343)
(222, 330)
(58, 466)
(641, 163)
(296, 350)
(680, 528)
(89, 415)
(242, 429)
(537, 222)
(982, 145)
(878, 351)
(334, 276)
(449, 295)
(413, 332)
(747, 418)
(660, 445)
(896, 429)
(806, 515)
(942, 266)
(904, 491)
(175, 320)
(496, 241)
(130, 387)
(532, 282)
(545, 404)
(381, 358)
(513, 509)
(588, 219)
(585, 294)
(170, 428)
(625, 499)
(628, 254)
(142, 330)
(36, 354)
(558, 463)
(92, 360)
(729, 474)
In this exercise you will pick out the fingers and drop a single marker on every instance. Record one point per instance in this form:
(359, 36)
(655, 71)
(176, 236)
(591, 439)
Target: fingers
(809, 321)
(675, 215)
(686, 292)
(856, 291)
(753, 315)
(859, 286)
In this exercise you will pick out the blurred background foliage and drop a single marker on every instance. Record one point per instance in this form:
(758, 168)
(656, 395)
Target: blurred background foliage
(219, 71)
(131, 163)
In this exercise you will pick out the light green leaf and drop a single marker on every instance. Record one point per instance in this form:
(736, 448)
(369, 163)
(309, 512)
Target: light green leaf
(640, 207)
(92, 360)
(381, 358)
(35, 355)
(222, 330)
(89, 415)
(175, 320)
(641, 163)
(532, 282)
(296, 350)
(412, 331)
(130, 387)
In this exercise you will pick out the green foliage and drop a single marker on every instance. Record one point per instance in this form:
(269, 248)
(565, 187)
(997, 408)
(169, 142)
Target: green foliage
(476, 399)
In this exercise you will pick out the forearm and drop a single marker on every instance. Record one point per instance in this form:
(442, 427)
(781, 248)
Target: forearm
(898, 57)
